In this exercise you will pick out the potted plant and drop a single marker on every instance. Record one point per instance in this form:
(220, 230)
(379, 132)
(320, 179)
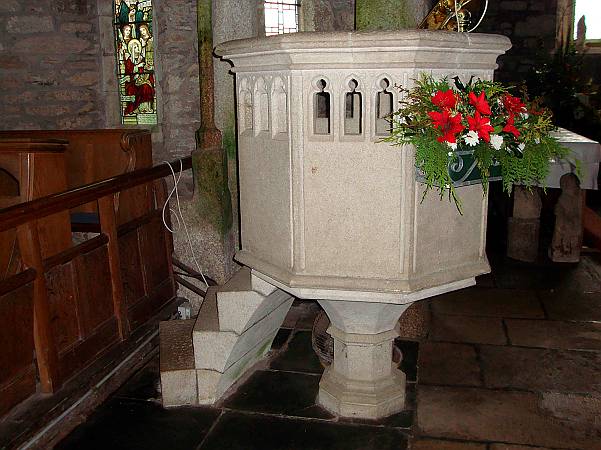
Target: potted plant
(474, 132)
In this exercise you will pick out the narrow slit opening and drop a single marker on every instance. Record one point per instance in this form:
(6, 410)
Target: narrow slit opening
(384, 109)
(353, 110)
(322, 110)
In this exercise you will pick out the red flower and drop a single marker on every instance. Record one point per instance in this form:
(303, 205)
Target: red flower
(510, 128)
(480, 103)
(449, 126)
(445, 100)
(480, 125)
(513, 105)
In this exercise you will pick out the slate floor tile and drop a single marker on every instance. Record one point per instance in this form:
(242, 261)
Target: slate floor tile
(144, 384)
(281, 338)
(475, 414)
(277, 392)
(236, 431)
(448, 364)
(567, 304)
(541, 369)
(488, 302)
(132, 424)
(555, 334)
(299, 356)
(515, 447)
(437, 444)
(474, 330)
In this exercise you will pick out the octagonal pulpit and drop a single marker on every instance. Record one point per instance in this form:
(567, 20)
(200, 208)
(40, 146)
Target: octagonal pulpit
(328, 212)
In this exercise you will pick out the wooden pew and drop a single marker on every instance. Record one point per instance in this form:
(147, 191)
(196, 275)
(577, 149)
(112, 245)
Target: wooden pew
(75, 305)
(94, 155)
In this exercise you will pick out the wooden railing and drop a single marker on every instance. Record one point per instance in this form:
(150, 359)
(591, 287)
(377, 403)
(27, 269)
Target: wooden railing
(70, 307)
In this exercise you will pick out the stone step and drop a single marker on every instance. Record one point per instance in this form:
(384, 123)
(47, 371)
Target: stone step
(176, 353)
(238, 304)
(219, 350)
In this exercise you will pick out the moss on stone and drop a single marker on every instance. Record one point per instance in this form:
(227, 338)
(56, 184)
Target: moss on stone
(371, 15)
(229, 136)
(212, 191)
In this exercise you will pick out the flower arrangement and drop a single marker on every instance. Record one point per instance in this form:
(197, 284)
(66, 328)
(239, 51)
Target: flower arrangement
(503, 131)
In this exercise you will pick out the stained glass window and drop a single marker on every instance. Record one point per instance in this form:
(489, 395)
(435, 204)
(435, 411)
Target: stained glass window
(135, 61)
(281, 16)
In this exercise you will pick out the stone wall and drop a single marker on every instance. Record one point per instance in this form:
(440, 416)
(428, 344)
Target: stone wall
(177, 74)
(49, 65)
(531, 26)
(57, 69)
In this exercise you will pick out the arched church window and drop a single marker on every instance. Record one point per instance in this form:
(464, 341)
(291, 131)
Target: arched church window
(281, 16)
(134, 45)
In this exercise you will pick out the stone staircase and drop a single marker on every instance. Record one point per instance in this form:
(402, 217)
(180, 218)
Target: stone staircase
(234, 329)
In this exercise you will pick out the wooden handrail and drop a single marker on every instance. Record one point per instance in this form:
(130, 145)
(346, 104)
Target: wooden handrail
(25, 212)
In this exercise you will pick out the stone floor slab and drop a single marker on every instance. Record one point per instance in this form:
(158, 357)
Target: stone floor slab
(541, 369)
(555, 334)
(567, 304)
(289, 394)
(299, 355)
(236, 431)
(127, 424)
(475, 414)
(489, 303)
(515, 447)
(448, 364)
(474, 330)
(437, 444)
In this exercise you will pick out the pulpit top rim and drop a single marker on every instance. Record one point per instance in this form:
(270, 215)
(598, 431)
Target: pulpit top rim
(393, 40)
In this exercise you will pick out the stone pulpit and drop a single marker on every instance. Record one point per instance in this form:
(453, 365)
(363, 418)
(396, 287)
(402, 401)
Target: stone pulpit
(330, 213)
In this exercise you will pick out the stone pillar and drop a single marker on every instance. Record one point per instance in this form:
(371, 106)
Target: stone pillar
(371, 15)
(523, 227)
(362, 380)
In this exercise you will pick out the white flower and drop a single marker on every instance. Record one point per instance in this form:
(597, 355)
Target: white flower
(521, 147)
(525, 115)
(471, 138)
(496, 141)
(453, 146)
(537, 141)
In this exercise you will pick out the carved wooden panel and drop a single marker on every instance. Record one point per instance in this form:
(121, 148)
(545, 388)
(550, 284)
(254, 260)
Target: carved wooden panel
(64, 306)
(17, 372)
(131, 267)
(94, 287)
(156, 269)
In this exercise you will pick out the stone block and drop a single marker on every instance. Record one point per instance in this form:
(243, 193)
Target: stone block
(506, 416)
(536, 369)
(178, 376)
(485, 302)
(218, 350)
(555, 334)
(472, 330)
(522, 239)
(517, 5)
(213, 384)
(436, 444)
(448, 364)
(10, 6)
(30, 24)
(40, 44)
(82, 79)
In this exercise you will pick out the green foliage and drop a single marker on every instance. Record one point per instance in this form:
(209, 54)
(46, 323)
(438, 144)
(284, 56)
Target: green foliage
(483, 117)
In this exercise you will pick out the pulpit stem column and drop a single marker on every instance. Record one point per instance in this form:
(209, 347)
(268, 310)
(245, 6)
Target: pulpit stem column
(362, 380)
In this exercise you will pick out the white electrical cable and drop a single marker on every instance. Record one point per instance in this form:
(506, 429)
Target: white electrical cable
(179, 216)
(481, 17)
